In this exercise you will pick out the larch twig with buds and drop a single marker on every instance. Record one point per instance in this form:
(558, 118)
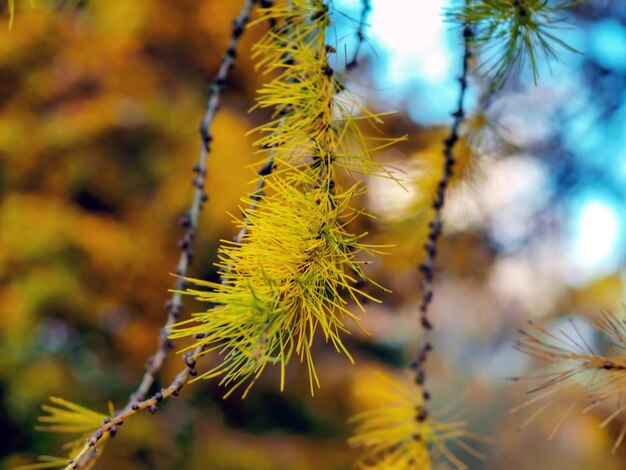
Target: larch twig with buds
(87, 455)
(287, 276)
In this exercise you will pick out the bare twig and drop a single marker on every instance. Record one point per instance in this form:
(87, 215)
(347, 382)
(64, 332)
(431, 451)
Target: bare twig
(190, 220)
(360, 32)
(89, 451)
(435, 225)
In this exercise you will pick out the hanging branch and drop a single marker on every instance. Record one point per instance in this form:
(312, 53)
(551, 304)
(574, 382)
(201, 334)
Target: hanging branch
(284, 283)
(89, 452)
(436, 223)
(190, 220)
(269, 165)
(399, 431)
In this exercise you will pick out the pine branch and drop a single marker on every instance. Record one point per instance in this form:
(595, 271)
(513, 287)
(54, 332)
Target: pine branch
(394, 431)
(509, 34)
(401, 431)
(594, 377)
(282, 284)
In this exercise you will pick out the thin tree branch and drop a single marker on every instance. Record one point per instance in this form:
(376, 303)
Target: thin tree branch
(360, 32)
(89, 452)
(190, 220)
(436, 223)
(269, 166)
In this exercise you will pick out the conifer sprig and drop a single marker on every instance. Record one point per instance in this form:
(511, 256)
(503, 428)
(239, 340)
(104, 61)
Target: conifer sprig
(282, 284)
(398, 433)
(598, 379)
(287, 278)
(85, 456)
(66, 417)
(509, 34)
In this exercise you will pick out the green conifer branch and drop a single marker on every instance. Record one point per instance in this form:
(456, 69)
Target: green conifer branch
(509, 34)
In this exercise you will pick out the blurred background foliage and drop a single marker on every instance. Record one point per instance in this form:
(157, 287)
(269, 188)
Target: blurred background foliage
(98, 115)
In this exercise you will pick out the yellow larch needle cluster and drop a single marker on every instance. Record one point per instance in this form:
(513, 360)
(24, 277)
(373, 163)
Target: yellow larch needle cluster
(598, 379)
(67, 417)
(295, 269)
(396, 433)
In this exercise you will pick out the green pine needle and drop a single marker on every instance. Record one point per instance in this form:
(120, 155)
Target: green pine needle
(509, 34)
